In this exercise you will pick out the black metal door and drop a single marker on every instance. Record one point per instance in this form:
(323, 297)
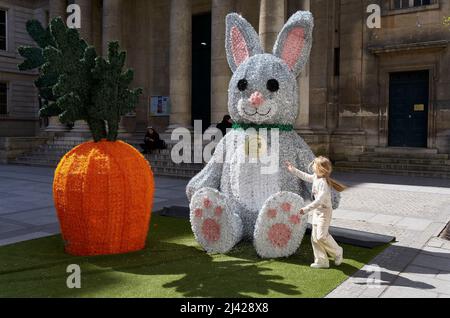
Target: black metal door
(408, 109)
(201, 69)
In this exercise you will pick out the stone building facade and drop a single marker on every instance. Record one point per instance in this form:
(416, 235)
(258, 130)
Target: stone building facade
(364, 88)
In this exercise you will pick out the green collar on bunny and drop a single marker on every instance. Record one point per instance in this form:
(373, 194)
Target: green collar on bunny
(280, 127)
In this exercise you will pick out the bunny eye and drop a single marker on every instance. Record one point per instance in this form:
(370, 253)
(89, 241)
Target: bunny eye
(273, 85)
(242, 85)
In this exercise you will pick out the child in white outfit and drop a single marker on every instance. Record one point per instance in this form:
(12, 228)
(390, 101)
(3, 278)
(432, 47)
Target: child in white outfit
(321, 208)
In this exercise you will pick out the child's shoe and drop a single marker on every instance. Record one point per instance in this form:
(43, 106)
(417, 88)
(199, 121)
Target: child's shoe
(339, 257)
(319, 265)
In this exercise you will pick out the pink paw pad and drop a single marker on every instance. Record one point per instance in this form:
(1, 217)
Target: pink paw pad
(207, 203)
(286, 207)
(294, 219)
(211, 230)
(279, 235)
(198, 213)
(272, 213)
(218, 211)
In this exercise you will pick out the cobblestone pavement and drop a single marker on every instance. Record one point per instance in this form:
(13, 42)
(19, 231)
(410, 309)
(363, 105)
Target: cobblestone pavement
(414, 210)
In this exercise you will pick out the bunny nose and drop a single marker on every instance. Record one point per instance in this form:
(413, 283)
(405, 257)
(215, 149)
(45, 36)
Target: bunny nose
(256, 99)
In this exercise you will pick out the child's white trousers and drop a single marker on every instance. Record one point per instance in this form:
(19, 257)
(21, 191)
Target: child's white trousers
(323, 243)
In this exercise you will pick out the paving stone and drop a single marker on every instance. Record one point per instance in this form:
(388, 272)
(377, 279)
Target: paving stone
(426, 272)
(443, 276)
(407, 292)
(435, 242)
(170, 193)
(6, 227)
(24, 237)
(34, 217)
(352, 215)
(422, 282)
(385, 219)
(426, 260)
(7, 195)
(434, 251)
(446, 245)
(414, 224)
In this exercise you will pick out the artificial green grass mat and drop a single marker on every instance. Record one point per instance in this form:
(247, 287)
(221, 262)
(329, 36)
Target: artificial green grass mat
(172, 265)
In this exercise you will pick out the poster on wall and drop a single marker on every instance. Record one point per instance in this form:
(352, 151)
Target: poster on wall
(159, 106)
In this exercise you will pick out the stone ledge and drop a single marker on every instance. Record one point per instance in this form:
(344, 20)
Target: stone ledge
(434, 6)
(405, 47)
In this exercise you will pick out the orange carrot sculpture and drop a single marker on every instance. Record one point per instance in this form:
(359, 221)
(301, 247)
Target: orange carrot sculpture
(102, 189)
(103, 193)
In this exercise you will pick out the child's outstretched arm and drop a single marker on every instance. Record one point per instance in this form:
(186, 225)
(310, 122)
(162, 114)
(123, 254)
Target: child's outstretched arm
(302, 175)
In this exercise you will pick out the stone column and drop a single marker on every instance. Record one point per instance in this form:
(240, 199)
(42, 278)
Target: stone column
(220, 71)
(180, 63)
(112, 23)
(57, 8)
(112, 31)
(86, 19)
(80, 129)
(249, 9)
(271, 20)
(55, 125)
(303, 85)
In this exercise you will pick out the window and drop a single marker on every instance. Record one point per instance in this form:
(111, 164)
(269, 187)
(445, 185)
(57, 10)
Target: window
(3, 99)
(337, 61)
(3, 30)
(403, 4)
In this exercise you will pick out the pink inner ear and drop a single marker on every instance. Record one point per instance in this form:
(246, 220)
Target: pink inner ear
(238, 46)
(293, 46)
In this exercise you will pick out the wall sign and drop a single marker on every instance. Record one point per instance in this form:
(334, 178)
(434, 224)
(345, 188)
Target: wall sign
(159, 106)
(419, 107)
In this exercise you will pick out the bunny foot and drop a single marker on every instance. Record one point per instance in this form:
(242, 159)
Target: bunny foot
(215, 227)
(280, 228)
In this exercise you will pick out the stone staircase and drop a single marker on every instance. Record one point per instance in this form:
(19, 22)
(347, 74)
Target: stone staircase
(419, 162)
(50, 153)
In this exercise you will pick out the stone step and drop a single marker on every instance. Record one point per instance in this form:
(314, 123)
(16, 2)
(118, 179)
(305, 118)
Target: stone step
(413, 155)
(182, 172)
(394, 166)
(50, 154)
(173, 172)
(175, 167)
(405, 150)
(31, 157)
(430, 174)
(402, 160)
(37, 163)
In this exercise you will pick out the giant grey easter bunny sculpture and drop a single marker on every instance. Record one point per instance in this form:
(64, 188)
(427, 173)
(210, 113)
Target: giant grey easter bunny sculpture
(233, 198)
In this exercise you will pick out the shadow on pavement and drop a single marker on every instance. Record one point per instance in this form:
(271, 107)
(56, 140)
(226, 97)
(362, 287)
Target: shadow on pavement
(416, 267)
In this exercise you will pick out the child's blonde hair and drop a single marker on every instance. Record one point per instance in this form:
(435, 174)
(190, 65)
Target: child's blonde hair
(322, 167)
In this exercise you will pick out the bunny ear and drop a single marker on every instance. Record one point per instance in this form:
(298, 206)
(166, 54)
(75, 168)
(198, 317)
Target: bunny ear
(242, 41)
(294, 42)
